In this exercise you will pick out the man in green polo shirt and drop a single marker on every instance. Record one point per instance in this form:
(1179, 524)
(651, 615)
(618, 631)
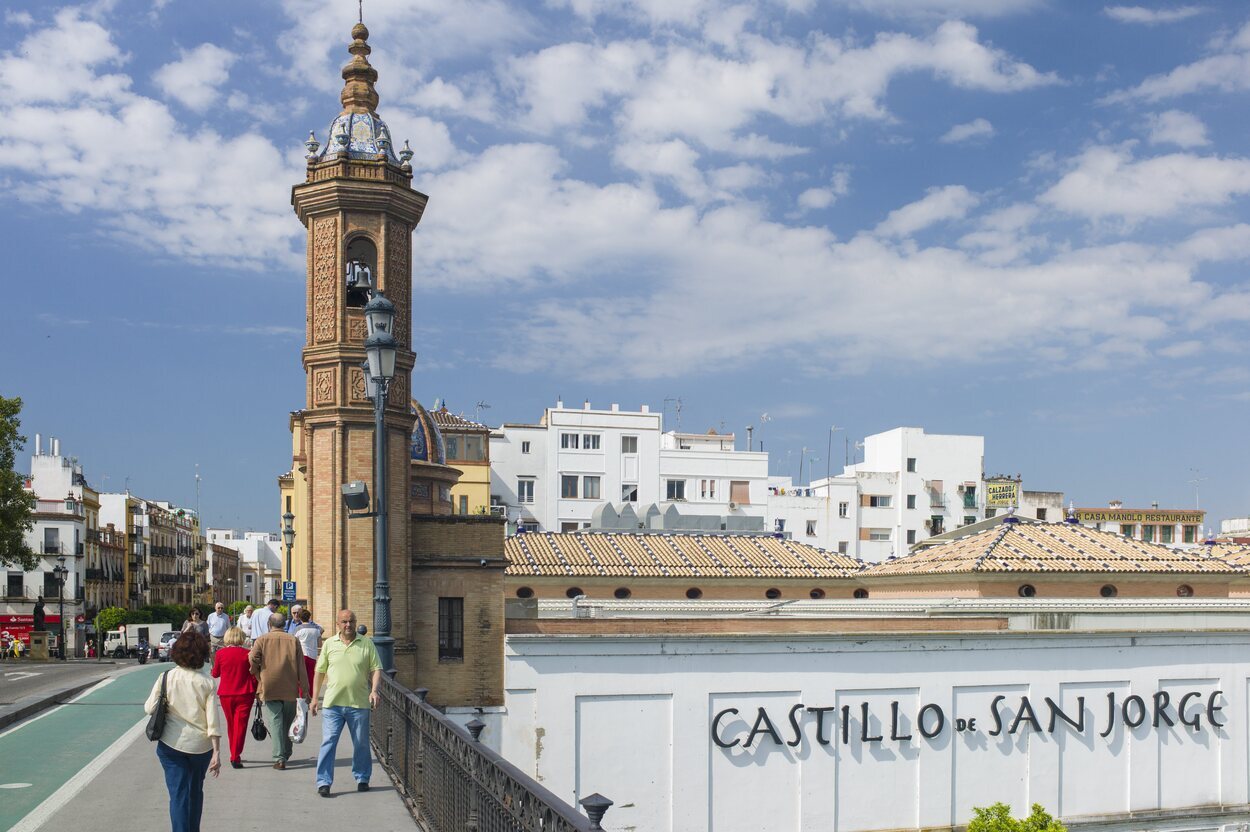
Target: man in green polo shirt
(349, 672)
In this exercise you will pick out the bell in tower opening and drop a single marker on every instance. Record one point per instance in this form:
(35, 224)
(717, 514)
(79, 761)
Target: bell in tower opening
(362, 260)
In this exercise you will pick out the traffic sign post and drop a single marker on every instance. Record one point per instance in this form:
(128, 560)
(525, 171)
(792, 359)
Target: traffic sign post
(288, 591)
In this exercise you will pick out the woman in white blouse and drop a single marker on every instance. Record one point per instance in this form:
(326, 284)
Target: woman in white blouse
(189, 746)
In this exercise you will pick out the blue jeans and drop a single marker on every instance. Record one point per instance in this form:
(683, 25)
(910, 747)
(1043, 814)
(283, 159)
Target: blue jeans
(184, 777)
(332, 721)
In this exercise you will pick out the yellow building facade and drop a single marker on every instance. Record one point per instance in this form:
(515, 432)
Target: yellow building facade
(468, 451)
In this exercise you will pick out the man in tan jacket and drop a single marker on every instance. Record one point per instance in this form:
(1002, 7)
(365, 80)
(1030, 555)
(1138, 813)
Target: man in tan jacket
(278, 665)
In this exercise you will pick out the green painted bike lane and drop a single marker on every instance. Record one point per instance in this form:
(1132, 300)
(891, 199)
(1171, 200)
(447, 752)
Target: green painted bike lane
(51, 749)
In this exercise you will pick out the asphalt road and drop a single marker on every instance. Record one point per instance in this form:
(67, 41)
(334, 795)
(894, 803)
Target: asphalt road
(22, 678)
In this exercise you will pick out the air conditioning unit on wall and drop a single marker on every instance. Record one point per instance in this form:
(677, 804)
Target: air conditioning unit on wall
(732, 506)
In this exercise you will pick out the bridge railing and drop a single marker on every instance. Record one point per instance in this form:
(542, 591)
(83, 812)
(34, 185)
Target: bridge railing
(453, 783)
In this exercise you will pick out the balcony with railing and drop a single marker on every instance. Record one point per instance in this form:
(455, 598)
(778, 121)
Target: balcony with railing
(451, 782)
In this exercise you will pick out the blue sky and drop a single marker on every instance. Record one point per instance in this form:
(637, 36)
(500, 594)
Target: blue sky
(1019, 218)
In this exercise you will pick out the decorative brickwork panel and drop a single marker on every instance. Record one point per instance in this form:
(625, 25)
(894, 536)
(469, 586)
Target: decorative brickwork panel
(325, 279)
(356, 328)
(356, 382)
(398, 278)
(397, 395)
(323, 386)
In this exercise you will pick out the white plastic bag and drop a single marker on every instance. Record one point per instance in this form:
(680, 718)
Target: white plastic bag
(299, 726)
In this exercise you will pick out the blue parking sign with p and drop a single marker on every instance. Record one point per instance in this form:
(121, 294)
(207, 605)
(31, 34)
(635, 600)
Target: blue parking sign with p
(288, 590)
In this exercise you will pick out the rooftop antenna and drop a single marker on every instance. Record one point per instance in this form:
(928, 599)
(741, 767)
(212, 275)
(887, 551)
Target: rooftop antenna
(829, 453)
(197, 496)
(764, 419)
(1194, 482)
(477, 410)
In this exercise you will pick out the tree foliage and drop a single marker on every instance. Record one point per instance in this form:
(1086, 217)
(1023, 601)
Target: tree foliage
(16, 503)
(997, 818)
(110, 617)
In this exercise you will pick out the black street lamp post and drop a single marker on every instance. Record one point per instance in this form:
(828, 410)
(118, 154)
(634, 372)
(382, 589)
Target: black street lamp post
(61, 571)
(380, 349)
(288, 537)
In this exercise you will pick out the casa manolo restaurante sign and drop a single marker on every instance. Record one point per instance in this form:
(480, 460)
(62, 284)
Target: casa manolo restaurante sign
(1193, 710)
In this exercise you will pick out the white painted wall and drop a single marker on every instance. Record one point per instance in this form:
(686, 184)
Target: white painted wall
(830, 504)
(630, 718)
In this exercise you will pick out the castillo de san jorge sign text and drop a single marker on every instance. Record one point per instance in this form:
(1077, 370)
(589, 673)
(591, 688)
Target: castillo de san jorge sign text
(1192, 709)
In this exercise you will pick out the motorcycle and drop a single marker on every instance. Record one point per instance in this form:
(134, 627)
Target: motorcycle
(144, 650)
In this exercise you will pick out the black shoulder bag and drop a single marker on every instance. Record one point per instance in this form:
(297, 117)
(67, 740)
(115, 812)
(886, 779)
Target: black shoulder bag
(259, 731)
(156, 723)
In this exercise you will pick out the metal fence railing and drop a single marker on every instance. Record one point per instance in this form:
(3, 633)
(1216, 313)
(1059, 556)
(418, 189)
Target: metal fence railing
(453, 783)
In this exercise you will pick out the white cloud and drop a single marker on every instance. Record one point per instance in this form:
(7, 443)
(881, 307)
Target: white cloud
(814, 199)
(1150, 17)
(976, 129)
(1228, 70)
(194, 195)
(24, 19)
(938, 205)
(1178, 128)
(196, 78)
(672, 161)
(560, 83)
(1106, 182)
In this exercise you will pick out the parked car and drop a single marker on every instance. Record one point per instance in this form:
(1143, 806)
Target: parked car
(166, 642)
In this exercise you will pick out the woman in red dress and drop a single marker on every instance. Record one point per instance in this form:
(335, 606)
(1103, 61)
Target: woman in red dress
(237, 690)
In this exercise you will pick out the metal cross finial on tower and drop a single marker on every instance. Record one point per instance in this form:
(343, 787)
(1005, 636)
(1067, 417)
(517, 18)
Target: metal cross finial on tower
(360, 11)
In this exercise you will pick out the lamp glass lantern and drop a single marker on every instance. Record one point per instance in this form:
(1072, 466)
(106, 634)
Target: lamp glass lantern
(380, 350)
(371, 386)
(288, 529)
(379, 315)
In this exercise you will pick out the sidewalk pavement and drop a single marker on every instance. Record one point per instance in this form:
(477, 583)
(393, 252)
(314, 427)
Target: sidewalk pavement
(125, 784)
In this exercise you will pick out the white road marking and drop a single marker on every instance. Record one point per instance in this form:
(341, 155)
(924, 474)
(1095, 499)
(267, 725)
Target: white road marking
(15, 675)
(44, 811)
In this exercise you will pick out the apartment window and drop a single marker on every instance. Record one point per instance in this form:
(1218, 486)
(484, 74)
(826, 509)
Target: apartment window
(878, 534)
(452, 445)
(629, 493)
(590, 488)
(590, 441)
(464, 504)
(779, 525)
(844, 509)
(1165, 533)
(675, 489)
(707, 489)
(1041, 514)
(1128, 529)
(474, 448)
(970, 497)
(1148, 533)
(911, 500)
(911, 464)
(1189, 534)
(911, 536)
(570, 441)
(990, 512)
(569, 526)
(935, 524)
(51, 540)
(525, 447)
(629, 444)
(450, 628)
(811, 528)
(49, 585)
(843, 547)
(568, 486)
(16, 588)
(879, 501)
(740, 492)
(525, 491)
(969, 520)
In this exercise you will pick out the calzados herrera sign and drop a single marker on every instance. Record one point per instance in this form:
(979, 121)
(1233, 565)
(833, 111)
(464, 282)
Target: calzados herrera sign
(1192, 709)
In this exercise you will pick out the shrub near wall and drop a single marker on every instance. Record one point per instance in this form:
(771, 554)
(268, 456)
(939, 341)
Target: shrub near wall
(997, 818)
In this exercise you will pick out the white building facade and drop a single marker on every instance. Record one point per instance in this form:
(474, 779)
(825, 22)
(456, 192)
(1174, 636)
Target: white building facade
(260, 561)
(551, 476)
(859, 731)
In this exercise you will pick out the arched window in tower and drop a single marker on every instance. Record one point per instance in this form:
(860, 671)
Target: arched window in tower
(362, 270)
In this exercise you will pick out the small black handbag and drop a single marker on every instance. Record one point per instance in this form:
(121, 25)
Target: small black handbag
(156, 723)
(259, 731)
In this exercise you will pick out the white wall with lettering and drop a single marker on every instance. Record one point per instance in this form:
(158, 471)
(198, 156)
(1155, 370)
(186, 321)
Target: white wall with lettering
(893, 732)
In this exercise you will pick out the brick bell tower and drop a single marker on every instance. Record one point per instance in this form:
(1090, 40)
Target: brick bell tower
(360, 210)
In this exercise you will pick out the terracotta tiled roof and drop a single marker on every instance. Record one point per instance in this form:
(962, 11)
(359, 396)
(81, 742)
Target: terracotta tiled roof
(1234, 554)
(1049, 547)
(445, 419)
(621, 554)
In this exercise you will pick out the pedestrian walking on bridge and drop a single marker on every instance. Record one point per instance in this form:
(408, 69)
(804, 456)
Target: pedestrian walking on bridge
(349, 672)
(278, 664)
(189, 747)
(236, 690)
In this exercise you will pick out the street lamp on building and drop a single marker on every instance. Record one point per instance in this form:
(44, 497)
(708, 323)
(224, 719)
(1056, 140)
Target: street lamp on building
(380, 350)
(61, 571)
(288, 537)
